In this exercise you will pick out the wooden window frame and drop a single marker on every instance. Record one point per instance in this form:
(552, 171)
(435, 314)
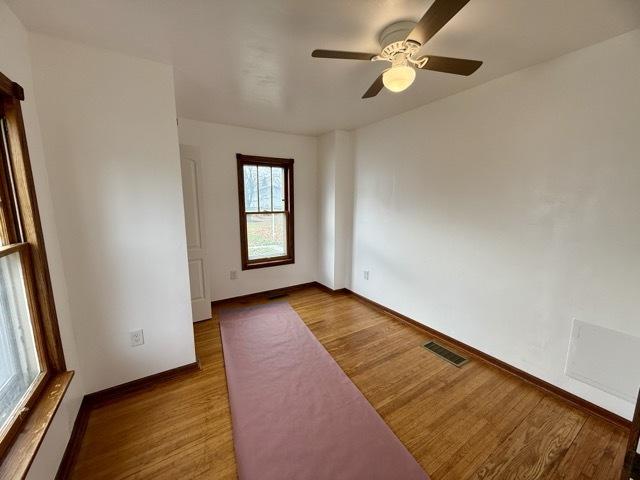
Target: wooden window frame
(287, 164)
(21, 232)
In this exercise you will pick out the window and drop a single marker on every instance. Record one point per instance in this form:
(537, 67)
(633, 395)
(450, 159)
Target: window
(265, 187)
(32, 369)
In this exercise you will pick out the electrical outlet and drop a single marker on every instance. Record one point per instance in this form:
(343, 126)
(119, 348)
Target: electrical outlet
(366, 274)
(136, 338)
(233, 275)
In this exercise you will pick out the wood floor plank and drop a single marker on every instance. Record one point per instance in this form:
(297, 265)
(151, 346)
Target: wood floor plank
(474, 422)
(500, 422)
(537, 445)
(585, 454)
(611, 458)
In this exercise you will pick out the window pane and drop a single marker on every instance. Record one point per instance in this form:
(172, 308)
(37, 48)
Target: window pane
(250, 188)
(278, 189)
(7, 208)
(264, 182)
(19, 364)
(266, 235)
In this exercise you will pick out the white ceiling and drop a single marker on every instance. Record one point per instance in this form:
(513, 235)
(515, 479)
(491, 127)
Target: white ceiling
(248, 62)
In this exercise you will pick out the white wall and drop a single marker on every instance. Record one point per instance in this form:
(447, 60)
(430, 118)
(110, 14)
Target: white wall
(111, 147)
(326, 209)
(345, 150)
(218, 145)
(15, 62)
(335, 207)
(500, 214)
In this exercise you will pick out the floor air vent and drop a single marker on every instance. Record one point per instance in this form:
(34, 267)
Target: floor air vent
(445, 353)
(275, 295)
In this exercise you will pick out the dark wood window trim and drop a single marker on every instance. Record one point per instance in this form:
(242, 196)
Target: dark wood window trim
(287, 164)
(21, 231)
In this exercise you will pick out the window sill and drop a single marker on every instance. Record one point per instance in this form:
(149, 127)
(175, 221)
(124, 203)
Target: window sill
(268, 263)
(20, 455)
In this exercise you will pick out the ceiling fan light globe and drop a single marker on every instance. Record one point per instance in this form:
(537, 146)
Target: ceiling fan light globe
(398, 78)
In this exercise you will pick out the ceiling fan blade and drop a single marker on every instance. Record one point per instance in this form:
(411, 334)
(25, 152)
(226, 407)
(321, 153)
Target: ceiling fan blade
(436, 17)
(342, 55)
(457, 66)
(375, 88)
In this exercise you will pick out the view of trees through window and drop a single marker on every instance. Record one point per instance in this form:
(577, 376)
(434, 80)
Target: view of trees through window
(264, 199)
(265, 187)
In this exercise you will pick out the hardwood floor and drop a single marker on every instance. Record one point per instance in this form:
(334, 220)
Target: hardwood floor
(476, 422)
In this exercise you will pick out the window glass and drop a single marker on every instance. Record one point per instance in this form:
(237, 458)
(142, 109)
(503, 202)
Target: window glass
(264, 184)
(277, 174)
(19, 364)
(250, 188)
(6, 206)
(266, 235)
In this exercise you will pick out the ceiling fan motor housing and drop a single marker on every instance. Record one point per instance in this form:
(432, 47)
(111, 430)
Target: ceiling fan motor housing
(396, 48)
(396, 32)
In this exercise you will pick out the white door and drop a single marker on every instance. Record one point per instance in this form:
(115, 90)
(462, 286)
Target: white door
(196, 245)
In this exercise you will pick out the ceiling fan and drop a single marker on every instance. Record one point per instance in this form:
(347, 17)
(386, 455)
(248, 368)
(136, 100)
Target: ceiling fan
(400, 43)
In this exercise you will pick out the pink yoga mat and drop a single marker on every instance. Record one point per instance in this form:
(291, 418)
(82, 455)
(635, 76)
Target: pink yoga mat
(295, 413)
